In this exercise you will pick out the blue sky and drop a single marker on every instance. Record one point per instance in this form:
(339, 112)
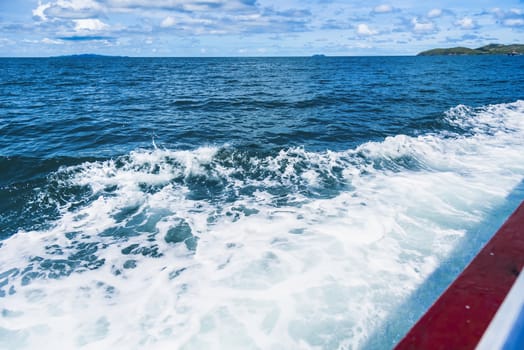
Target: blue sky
(253, 27)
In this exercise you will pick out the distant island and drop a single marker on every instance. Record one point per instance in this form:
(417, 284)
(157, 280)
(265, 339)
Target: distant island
(491, 49)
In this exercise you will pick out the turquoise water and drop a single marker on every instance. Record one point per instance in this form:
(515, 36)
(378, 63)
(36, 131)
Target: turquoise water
(269, 203)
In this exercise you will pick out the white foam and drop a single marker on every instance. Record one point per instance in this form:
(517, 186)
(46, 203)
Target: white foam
(274, 267)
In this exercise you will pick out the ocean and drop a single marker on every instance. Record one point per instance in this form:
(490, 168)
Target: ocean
(247, 203)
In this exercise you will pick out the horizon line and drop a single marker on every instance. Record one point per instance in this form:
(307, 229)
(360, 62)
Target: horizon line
(94, 55)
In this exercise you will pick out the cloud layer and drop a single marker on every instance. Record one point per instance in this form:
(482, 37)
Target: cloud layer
(251, 27)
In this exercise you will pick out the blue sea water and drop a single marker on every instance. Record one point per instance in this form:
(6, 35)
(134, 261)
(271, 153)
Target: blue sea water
(238, 203)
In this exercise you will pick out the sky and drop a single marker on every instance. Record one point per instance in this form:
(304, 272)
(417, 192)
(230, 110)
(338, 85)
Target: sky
(37, 28)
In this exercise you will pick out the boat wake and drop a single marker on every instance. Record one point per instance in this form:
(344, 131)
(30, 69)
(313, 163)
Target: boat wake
(227, 247)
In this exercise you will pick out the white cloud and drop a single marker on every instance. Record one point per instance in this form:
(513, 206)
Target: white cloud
(180, 5)
(168, 22)
(435, 13)
(67, 9)
(52, 41)
(90, 25)
(384, 8)
(39, 12)
(78, 5)
(5, 41)
(466, 23)
(512, 18)
(514, 22)
(497, 11)
(422, 27)
(364, 30)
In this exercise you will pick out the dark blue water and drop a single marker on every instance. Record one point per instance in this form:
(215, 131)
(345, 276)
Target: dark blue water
(288, 193)
(71, 107)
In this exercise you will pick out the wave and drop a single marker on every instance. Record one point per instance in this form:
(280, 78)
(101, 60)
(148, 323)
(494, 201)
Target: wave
(223, 247)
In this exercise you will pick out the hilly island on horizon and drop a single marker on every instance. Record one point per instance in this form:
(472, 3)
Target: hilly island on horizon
(491, 49)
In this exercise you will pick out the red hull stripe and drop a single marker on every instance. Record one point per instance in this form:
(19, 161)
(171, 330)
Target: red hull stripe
(458, 319)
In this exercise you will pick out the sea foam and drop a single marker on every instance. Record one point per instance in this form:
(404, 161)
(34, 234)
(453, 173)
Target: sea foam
(221, 248)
